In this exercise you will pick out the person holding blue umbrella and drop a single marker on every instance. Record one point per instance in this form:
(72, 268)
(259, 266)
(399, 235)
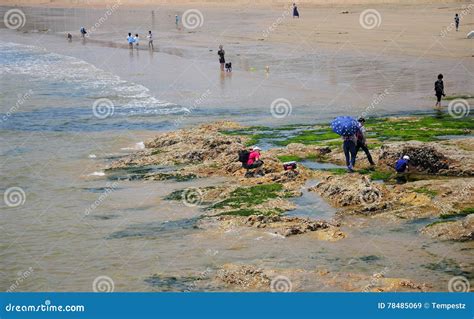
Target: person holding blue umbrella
(347, 127)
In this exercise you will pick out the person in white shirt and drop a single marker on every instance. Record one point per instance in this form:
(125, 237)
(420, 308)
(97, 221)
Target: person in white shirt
(137, 40)
(150, 40)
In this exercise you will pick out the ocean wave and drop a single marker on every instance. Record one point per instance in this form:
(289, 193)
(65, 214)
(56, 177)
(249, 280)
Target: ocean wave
(78, 77)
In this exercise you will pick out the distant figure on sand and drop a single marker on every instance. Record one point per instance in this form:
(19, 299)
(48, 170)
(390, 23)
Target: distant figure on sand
(150, 40)
(130, 40)
(69, 37)
(136, 39)
(349, 147)
(456, 21)
(221, 54)
(83, 32)
(176, 17)
(439, 90)
(362, 141)
(296, 14)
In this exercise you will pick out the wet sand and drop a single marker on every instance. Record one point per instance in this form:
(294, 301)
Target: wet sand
(324, 63)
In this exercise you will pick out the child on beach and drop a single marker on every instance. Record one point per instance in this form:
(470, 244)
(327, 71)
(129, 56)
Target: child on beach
(362, 141)
(456, 21)
(439, 90)
(349, 147)
(296, 14)
(221, 54)
(136, 40)
(150, 40)
(130, 40)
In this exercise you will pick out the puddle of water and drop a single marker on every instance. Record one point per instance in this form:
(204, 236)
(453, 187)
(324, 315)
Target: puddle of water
(162, 283)
(454, 137)
(312, 205)
(320, 166)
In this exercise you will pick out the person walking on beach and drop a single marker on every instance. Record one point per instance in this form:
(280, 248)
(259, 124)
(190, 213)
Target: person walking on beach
(83, 32)
(221, 54)
(362, 141)
(456, 21)
(296, 14)
(349, 147)
(176, 17)
(136, 40)
(150, 40)
(130, 40)
(439, 90)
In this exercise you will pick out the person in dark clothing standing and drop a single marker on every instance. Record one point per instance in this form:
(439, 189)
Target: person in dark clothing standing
(221, 54)
(349, 147)
(296, 14)
(456, 21)
(362, 141)
(439, 90)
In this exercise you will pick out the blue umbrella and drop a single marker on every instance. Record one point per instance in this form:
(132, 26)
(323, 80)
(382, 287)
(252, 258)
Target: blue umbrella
(345, 125)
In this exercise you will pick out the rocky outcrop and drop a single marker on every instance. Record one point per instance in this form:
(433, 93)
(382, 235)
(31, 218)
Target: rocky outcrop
(430, 158)
(354, 191)
(251, 278)
(245, 277)
(284, 226)
(460, 230)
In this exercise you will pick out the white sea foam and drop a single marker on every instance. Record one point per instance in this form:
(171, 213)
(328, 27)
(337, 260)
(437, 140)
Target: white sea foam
(92, 156)
(41, 65)
(97, 174)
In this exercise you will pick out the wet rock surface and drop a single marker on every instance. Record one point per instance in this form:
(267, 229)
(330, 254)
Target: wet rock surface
(460, 230)
(258, 204)
(431, 158)
(252, 278)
